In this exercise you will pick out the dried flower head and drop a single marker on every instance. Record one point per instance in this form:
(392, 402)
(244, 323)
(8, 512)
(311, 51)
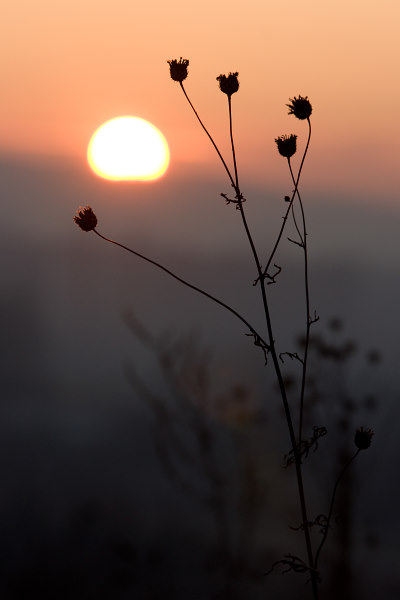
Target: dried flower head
(178, 69)
(286, 145)
(363, 437)
(229, 84)
(86, 219)
(300, 107)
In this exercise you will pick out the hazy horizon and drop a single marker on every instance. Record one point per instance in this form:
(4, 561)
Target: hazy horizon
(151, 464)
(64, 296)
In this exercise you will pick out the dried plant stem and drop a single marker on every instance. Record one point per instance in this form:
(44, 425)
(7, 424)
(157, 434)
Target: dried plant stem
(295, 220)
(278, 239)
(233, 145)
(275, 361)
(239, 198)
(326, 531)
(308, 316)
(209, 135)
(189, 285)
(271, 344)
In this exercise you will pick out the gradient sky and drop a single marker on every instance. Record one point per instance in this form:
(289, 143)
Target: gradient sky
(68, 66)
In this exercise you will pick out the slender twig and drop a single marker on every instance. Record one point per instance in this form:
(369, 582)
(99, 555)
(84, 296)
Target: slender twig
(243, 215)
(307, 294)
(233, 144)
(271, 345)
(291, 201)
(187, 284)
(275, 360)
(294, 217)
(326, 529)
(209, 135)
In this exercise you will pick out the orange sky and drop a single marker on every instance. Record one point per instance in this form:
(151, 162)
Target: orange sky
(68, 66)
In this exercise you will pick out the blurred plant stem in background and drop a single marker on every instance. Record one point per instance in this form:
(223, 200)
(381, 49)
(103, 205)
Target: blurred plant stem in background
(215, 447)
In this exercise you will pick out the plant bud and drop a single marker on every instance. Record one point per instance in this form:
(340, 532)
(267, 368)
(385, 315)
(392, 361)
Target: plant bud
(229, 84)
(178, 69)
(86, 219)
(300, 107)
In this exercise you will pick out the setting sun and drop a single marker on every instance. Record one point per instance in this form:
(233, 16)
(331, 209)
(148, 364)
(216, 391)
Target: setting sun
(128, 148)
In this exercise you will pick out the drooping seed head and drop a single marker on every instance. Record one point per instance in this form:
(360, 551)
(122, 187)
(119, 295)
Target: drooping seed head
(178, 69)
(85, 218)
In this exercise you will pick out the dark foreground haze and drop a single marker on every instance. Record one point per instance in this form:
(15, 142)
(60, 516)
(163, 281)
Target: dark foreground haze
(99, 498)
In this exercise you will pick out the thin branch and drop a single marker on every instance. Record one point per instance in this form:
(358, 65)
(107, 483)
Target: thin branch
(271, 345)
(305, 446)
(275, 360)
(296, 243)
(291, 355)
(187, 284)
(209, 136)
(294, 217)
(307, 292)
(326, 530)
(291, 201)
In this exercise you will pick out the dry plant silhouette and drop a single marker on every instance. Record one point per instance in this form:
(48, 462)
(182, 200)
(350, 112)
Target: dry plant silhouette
(302, 444)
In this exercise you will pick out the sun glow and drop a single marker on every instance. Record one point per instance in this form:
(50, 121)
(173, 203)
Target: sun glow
(128, 148)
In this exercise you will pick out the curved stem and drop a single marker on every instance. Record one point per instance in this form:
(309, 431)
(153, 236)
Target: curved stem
(294, 217)
(344, 469)
(233, 144)
(275, 360)
(209, 136)
(291, 201)
(187, 284)
(308, 318)
(239, 198)
(271, 345)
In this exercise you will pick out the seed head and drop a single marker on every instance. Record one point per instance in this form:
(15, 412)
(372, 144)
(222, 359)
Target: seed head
(286, 145)
(229, 84)
(300, 107)
(363, 437)
(85, 218)
(178, 69)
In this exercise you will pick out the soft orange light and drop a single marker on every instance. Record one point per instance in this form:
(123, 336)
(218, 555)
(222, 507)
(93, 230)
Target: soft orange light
(128, 148)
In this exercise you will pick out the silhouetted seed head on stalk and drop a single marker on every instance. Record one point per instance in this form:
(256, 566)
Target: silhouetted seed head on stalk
(300, 107)
(286, 145)
(363, 437)
(86, 219)
(178, 69)
(229, 84)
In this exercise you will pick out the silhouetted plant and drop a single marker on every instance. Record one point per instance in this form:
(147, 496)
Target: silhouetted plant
(301, 108)
(215, 449)
(333, 357)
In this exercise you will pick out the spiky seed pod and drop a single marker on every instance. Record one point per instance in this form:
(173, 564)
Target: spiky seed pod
(85, 218)
(286, 145)
(228, 84)
(178, 69)
(300, 107)
(363, 437)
